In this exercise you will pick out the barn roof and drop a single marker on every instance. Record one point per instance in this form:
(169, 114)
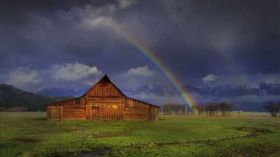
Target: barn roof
(105, 78)
(143, 102)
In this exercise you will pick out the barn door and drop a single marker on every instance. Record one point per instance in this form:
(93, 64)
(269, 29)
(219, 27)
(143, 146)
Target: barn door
(111, 112)
(115, 112)
(94, 113)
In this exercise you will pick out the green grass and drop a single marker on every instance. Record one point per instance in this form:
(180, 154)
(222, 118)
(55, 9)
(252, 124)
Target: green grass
(30, 134)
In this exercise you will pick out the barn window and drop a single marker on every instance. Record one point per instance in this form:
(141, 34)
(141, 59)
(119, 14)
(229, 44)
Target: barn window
(95, 105)
(77, 101)
(115, 106)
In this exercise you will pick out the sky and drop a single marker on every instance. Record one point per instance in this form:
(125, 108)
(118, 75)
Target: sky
(69, 44)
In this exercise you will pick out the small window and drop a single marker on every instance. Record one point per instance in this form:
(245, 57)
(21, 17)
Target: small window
(115, 106)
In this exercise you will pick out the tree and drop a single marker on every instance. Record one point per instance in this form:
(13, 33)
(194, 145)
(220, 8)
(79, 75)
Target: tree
(278, 108)
(211, 109)
(273, 108)
(167, 109)
(225, 108)
(200, 109)
(174, 108)
(192, 110)
(183, 109)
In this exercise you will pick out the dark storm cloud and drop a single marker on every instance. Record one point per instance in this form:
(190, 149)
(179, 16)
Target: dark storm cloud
(52, 31)
(228, 29)
(15, 11)
(230, 39)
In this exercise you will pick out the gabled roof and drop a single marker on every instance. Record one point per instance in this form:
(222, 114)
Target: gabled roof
(105, 78)
(142, 102)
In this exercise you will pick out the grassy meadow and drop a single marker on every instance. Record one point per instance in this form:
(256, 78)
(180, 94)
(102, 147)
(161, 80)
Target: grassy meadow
(31, 134)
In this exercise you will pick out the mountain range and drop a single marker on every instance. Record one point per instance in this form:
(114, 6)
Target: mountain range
(12, 98)
(263, 89)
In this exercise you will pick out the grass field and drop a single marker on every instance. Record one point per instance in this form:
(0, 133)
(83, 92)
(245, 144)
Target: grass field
(30, 134)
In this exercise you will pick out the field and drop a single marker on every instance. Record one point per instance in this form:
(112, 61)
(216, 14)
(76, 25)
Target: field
(30, 134)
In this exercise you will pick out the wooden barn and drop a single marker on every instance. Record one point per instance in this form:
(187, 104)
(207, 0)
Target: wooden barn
(104, 101)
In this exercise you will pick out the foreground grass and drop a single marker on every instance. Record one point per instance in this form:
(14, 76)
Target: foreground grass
(30, 134)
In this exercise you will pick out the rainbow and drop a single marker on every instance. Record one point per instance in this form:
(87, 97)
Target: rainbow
(165, 70)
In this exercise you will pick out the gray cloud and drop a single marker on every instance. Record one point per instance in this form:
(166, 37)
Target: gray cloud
(73, 71)
(209, 78)
(140, 71)
(23, 77)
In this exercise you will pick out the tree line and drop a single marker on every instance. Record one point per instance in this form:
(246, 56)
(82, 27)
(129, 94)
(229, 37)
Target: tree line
(210, 109)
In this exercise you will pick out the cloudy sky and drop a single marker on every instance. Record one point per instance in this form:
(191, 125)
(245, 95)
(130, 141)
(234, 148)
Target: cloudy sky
(69, 44)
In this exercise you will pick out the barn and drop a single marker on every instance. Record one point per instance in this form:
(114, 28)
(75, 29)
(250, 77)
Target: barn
(103, 101)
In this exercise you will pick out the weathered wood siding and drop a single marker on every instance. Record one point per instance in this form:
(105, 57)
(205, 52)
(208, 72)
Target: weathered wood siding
(73, 109)
(69, 109)
(104, 111)
(134, 109)
(104, 101)
(104, 88)
(104, 108)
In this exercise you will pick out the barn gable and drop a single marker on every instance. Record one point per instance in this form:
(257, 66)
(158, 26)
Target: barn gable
(105, 88)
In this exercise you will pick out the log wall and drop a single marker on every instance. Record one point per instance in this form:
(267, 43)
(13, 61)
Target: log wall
(134, 109)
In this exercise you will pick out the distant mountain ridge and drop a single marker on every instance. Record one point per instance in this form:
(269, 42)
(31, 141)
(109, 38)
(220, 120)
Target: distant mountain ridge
(156, 89)
(242, 97)
(263, 89)
(12, 97)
